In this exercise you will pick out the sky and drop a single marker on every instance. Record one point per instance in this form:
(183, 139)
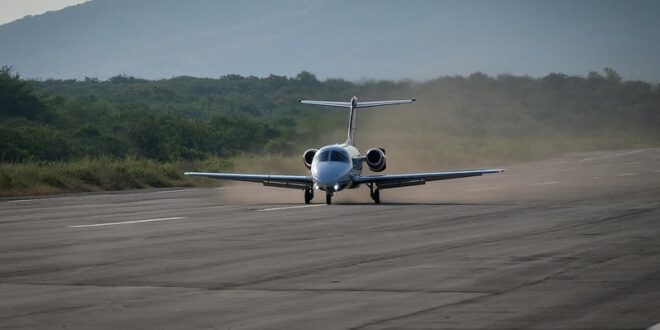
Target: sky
(11, 10)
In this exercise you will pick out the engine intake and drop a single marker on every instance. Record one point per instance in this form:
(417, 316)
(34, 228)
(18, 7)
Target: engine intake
(308, 156)
(375, 158)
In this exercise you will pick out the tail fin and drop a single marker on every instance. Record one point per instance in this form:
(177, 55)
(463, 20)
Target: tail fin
(352, 105)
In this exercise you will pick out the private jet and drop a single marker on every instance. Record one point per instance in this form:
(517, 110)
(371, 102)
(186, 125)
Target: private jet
(339, 166)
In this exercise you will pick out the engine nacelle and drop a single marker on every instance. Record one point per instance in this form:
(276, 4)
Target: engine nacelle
(375, 158)
(308, 156)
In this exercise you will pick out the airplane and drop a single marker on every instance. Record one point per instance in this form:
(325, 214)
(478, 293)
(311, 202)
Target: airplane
(339, 166)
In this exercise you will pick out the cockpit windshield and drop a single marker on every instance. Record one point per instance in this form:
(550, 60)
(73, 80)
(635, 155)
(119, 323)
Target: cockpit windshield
(333, 156)
(324, 156)
(338, 156)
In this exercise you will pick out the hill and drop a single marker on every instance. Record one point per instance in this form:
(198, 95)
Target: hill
(391, 40)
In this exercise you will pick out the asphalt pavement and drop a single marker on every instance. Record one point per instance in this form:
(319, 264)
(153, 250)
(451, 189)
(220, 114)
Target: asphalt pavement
(570, 242)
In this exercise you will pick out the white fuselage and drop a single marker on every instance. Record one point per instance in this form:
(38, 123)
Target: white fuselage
(334, 167)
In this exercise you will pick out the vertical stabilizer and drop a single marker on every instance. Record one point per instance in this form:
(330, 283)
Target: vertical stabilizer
(351, 122)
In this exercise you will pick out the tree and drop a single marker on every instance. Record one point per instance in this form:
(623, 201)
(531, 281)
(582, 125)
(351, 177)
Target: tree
(148, 138)
(307, 77)
(17, 98)
(611, 75)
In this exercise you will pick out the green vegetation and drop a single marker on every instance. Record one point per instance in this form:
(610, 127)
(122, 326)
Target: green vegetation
(72, 135)
(99, 174)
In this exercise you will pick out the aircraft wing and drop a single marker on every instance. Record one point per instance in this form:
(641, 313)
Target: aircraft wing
(327, 103)
(405, 180)
(281, 181)
(379, 103)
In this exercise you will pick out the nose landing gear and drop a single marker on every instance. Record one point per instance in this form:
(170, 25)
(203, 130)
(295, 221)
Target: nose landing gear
(328, 198)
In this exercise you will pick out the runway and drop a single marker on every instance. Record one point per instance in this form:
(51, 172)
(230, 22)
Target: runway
(571, 242)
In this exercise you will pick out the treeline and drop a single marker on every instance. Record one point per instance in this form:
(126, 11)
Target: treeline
(186, 118)
(511, 106)
(178, 119)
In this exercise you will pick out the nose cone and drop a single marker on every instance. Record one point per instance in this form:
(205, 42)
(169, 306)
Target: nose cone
(329, 175)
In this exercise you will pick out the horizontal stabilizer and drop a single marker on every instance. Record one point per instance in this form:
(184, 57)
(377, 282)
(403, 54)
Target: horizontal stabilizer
(327, 103)
(352, 106)
(368, 104)
(380, 103)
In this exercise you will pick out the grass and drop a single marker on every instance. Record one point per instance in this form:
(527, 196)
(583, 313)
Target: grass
(88, 175)
(28, 179)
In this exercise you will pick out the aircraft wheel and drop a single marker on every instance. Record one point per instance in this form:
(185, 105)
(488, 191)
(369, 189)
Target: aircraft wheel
(328, 199)
(376, 196)
(309, 195)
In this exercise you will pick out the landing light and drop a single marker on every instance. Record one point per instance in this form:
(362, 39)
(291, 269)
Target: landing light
(336, 187)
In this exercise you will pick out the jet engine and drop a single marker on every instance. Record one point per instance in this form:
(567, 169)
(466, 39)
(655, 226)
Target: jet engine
(308, 155)
(376, 159)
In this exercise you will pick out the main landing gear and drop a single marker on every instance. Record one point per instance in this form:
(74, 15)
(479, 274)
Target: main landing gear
(375, 193)
(309, 195)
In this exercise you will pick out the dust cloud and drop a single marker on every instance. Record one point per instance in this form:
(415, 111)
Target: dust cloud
(515, 123)
(572, 177)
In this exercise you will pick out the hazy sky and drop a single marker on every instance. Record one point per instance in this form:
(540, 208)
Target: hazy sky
(11, 10)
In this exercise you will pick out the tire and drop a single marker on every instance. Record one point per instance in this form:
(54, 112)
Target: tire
(309, 195)
(376, 196)
(328, 199)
